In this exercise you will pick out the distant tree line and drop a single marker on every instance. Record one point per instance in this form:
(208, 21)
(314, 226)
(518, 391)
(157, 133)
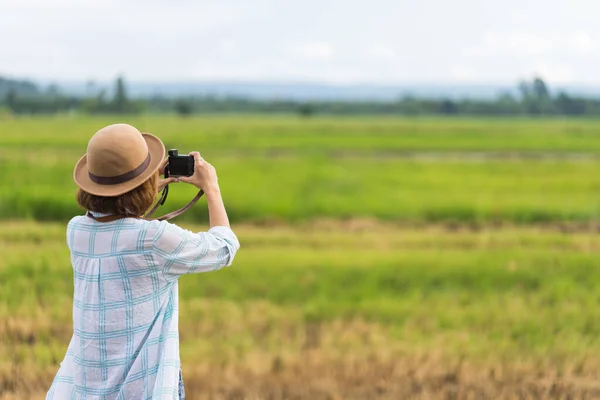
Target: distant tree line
(533, 99)
(23, 97)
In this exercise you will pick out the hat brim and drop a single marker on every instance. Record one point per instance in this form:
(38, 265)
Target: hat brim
(156, 148)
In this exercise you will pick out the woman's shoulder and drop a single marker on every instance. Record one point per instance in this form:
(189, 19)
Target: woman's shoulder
(148, 228)
(76, 222)
(127, 234)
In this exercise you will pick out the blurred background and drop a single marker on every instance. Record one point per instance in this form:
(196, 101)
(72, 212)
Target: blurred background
(414, 185)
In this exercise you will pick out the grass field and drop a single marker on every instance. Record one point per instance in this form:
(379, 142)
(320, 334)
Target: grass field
(363, 135)
(286, 169)
(329, 294)
(381, 258)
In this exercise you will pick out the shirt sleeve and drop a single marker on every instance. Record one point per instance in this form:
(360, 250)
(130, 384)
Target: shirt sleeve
(181, 251)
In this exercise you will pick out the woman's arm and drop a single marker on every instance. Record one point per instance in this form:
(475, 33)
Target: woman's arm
(216, 209)
(205, 178)
(184, 252)
(180, 251)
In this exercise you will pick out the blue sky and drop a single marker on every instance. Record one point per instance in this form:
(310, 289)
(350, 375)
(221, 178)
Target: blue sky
(375, 41)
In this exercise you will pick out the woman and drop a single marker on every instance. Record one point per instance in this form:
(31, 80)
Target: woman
(125, 343)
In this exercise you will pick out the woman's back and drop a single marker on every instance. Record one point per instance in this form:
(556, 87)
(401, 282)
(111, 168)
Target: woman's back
(125, 342)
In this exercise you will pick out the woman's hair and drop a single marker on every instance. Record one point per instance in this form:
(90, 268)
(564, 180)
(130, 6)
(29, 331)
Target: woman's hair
(134, 202)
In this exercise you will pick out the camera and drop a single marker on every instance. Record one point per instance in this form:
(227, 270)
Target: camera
(179, 165)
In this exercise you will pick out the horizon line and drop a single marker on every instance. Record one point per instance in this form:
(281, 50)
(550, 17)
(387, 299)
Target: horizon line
(291, 81)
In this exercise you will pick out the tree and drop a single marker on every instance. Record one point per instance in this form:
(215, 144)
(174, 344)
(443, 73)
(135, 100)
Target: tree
(525, 90)
(306, 110)
(90, 88)
(53, 90)
(567, 105)
(120, 101)
(540, 90)
(409, 105)
(11, 99)
(447, 106)
(97, 103)
(183, 107)
(506, 104)
(536, 97)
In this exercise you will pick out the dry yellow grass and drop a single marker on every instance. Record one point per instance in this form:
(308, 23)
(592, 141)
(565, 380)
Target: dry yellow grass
(345, 360)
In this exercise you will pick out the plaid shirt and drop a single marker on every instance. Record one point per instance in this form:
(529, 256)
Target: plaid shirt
(125, 343)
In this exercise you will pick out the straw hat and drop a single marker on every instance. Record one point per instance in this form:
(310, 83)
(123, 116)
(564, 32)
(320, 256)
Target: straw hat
(119, 158)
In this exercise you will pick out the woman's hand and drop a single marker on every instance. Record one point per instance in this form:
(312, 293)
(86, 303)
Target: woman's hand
(162, 182)
(204, 177)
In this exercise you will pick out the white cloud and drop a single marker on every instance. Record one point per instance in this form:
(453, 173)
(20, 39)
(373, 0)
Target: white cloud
(383, 41)
(553, 73)
(463, 73)
(582, 42)
(313, 50)
(381, 51)
(519, 17)
(518, 42)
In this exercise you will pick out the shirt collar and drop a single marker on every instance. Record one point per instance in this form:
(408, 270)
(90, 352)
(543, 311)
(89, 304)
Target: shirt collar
(97, 214)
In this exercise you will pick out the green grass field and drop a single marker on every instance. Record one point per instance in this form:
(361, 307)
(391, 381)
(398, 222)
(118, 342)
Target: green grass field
(381, 258)
(287, 169)
(423, 285)
(240, 133)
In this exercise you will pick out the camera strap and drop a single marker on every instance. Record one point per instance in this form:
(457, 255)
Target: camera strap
(160, 202)
(175, 213)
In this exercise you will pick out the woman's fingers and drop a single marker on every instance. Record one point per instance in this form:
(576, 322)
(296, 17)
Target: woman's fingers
(204, 172)
(164, 182)
(161, 169)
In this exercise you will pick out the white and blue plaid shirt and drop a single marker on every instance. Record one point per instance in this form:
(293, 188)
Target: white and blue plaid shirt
(125, 343)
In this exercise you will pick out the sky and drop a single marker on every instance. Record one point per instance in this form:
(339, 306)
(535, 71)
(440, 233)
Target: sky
(329, 41)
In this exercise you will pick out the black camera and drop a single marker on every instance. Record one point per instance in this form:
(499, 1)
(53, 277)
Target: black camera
(179, 165)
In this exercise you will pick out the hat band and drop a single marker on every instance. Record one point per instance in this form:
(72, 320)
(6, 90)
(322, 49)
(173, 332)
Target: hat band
(126, 177)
